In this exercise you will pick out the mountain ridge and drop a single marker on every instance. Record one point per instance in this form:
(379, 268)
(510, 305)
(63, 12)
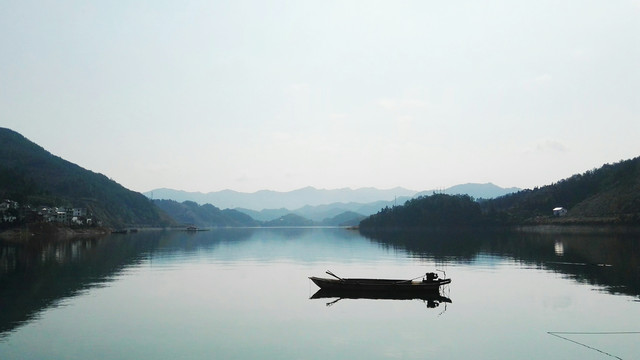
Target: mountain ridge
(270, 199)
(310, 196)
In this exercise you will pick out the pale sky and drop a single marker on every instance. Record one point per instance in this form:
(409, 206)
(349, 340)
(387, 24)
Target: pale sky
(250, 95)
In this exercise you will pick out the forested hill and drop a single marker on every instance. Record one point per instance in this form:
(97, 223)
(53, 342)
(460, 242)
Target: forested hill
(608, 195)
(438, 210)
(31, 175)
(207, 215)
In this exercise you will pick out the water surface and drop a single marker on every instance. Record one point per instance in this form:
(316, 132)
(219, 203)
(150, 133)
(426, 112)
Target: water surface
(244, 293)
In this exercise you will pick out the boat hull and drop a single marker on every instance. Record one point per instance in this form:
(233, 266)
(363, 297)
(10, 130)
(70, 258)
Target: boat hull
(379, 285)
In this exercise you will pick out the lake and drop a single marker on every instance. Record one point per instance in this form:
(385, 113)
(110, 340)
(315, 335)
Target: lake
(245, 294)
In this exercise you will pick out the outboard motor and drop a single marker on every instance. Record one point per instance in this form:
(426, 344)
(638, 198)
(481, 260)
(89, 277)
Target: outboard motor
(431, 276)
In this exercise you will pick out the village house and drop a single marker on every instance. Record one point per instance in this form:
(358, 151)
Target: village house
(6, 204)
(11, 211)
(6, 213)
(48, 214)
(79, 212)
(61, 217)
(559, 211)
(72, 216)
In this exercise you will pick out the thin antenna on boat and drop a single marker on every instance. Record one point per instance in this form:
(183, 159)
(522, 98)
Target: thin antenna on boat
(334, 275)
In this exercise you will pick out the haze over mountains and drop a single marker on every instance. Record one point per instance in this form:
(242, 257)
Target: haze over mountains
(318, 204)
(268, 199)
(33, 177)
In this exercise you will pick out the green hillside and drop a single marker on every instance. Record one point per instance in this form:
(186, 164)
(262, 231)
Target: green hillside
(207, 215)
(347, 218)
(438, 210)
(31, 175)
(289, 220)
(608, 195)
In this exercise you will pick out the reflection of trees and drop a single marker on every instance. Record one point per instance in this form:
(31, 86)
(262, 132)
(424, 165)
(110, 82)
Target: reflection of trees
(459, 246)
(36, 276)
(611, 260)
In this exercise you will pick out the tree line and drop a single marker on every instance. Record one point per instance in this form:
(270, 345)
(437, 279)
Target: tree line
(610, 194)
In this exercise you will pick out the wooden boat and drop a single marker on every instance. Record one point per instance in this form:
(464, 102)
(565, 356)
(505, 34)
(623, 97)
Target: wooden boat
(427, 283)
(194, 229)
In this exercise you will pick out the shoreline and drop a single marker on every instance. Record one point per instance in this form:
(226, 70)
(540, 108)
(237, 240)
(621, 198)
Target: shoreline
(56, 232)
(50, 232)
(577, 228)
(541, 228)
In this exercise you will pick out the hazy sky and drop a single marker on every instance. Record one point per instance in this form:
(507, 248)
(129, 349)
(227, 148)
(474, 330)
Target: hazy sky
(250, 95)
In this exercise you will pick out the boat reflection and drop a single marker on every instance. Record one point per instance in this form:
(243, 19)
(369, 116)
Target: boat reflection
(432, 299)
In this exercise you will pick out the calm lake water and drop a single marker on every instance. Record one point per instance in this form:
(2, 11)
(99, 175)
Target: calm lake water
(245, 294)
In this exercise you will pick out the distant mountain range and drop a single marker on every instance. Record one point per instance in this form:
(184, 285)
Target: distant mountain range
(190, 213)
(310, 202)
(268, 199)
(321, 207)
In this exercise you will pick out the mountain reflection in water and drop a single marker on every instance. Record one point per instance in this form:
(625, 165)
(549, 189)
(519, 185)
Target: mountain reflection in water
(40, 275)
(610, 260)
